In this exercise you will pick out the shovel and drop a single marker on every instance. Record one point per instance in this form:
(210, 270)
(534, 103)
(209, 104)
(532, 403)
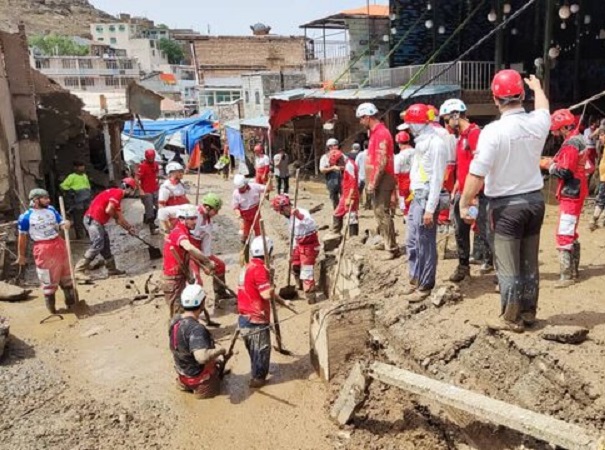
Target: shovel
(289, 292)
(154, 252)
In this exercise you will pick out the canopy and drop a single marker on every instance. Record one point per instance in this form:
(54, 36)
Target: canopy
(191, 130)
(284, 111)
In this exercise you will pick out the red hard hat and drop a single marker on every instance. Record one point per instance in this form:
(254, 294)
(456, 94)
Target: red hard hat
(507, 83)
(258, 148)
(280, 201)
(561, 118)
(150, 154)
(129, 183)
(402, 137)
(418, 113)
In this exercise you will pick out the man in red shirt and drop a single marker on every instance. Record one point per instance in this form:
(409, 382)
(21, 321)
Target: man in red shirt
(254, 307)
(380, 175)
(104, 207)
(178, 247)
(147, 178)
(453, 112)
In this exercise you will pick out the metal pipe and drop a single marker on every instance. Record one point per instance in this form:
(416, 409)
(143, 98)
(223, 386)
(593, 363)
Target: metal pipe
(548, 24)
(499, 35)
(578, 51)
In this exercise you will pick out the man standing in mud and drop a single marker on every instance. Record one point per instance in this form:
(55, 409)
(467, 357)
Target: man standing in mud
(508, 163)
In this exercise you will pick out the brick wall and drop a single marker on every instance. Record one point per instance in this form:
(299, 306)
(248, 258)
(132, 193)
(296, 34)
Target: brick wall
(220, 56)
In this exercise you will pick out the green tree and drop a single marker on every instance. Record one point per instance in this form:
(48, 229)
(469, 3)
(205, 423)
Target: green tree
(172, 50)
(56, 45)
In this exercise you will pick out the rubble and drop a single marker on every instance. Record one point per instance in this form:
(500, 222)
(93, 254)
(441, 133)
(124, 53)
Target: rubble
(12, 293)
(4, 333)
(445, 294)
(564, 334)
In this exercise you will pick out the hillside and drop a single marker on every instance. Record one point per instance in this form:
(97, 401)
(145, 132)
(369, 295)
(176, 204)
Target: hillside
(42, 16)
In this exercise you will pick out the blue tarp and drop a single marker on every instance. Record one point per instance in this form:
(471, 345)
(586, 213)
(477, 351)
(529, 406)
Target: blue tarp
(192, 130)
(236, 145)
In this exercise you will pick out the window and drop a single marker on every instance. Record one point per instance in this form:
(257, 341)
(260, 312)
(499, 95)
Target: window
(111, 64)
(125, 81)
(99, 28)
(235, 95)
(247, 97)
(112, 28)
(113, 41)
(207, 99)
(122, 28)
(112, 81)
(257, 97)
(71, 81)
(152, 52)
(68, 63)
(87, 81)
(42, 64)
(100, 39)
(188, 75)
(85, 63)
(152, 44)
(126, 64)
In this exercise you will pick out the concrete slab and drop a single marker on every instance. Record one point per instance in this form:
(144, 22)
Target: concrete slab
(351, 396)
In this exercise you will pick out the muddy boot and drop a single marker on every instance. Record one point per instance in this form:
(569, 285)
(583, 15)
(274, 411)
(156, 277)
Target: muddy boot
(592, 225)
(49, 301)
(153, 229)
(566, 268)
(296, 273)
(460, 274)
(112, 270)
(70, 297)
(595, 218)
(83, 265)
(511, 320)
(336, 225)
(354, 229)
(220, 293)
(576, 252)
(311, 298)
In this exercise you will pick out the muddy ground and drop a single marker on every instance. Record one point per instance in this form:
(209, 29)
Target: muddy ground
(106, 381)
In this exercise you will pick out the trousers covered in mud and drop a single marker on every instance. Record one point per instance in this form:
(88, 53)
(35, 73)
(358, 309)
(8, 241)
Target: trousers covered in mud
(570, 211)
(516, 223)
(304, 256)
(257, 338)
(481, 245)
(173, 287)
(383, 193)
(421, 246)
(99, 240)
(52, 265)
(482, 242)
(150, 203)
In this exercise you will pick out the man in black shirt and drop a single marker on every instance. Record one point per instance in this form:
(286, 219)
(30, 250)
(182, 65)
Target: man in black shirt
(196, 359)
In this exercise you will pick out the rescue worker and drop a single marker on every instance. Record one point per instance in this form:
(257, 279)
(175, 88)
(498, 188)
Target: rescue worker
(197, 361)
(349, 200)
(453, 112)
(147, 179)
(262, 165)
(178, 248)
(449, 180)
(281, 162)
(600, 199)
(254, 308)
(380, 176)
(306, 244)
(403, 165)
(78, 192)
(426, 181)
(569, 166)
(245, 203)
(331, 164)
(201, 238)
(105, 206)
(360, 160)
(172, 191)
(507, 161)
(41, 222)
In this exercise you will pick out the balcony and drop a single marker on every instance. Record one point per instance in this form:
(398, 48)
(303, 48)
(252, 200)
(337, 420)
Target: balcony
(469, 75)
(89, 72)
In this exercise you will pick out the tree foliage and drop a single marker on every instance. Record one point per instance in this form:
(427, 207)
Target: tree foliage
(56, 45)
(173, 50)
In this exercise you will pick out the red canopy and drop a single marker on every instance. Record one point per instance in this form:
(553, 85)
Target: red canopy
(283, 111)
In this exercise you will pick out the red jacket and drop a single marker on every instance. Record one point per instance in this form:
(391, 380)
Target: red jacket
(147, 174)
(380, 141)
(572, 157)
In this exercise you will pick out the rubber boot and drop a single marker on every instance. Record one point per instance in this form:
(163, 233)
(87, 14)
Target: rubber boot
(336, 225)
(112, 270)
(510, 320)
(354, 229)
(83, 265)
(220, 293)
(576, 252)
(566, 269)
(70, 297)
(460, 274)
(311, 297)
(296, 272)
(49, 301)
(595, 218)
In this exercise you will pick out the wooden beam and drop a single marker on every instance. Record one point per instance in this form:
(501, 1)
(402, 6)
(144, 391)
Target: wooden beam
(548, 429)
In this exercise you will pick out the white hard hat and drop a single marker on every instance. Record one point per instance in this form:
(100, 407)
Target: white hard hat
(240, 181)
(257, 249)
(187, 211)
(452, 105)
(173, 167)
(192, 296)
(330, 142)
(403, 127)
(366, 109)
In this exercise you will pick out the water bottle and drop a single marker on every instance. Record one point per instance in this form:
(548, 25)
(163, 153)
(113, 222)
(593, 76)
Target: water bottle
(473, 212)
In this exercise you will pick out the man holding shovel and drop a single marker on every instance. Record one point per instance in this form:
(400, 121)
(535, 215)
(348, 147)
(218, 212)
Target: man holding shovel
(246, 203)
(306, 243)
(41, 223)
(104, 207)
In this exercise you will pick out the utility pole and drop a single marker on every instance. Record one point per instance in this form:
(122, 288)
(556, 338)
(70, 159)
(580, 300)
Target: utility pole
(499, 36)
(548, 24)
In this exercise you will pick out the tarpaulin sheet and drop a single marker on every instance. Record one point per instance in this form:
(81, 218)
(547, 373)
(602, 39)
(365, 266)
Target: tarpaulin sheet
(192, 129)
(284, 111)
(236, 145)
(134, 149)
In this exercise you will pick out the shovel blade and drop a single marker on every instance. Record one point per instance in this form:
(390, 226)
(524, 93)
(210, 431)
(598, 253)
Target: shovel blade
(288, 292)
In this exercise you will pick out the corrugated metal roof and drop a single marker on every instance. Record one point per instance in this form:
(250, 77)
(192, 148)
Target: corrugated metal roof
(258, 122)
(363, 94)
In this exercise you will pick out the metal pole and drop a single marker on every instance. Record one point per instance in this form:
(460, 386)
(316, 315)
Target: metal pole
(107, 139)
(499, 35)
(197, 74)
(578, 52)
(548, 23)
(369, 38)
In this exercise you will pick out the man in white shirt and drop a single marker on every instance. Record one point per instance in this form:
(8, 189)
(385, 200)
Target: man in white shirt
(360, 160)
(331, 164)
(282, 171)
(507, 161)
(426, 182)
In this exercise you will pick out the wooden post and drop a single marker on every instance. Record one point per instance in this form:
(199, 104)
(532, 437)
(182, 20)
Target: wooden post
(69, 256)
(107, 139)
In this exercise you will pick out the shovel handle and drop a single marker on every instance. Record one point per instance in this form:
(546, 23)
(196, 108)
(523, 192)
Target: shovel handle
(68, 246)
(292, 231)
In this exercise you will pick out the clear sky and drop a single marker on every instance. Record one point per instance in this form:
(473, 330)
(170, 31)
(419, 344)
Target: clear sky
(231, 17)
